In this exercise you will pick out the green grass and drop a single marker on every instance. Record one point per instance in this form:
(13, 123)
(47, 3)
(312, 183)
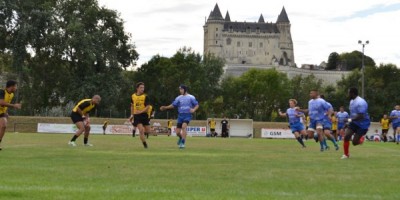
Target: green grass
(43, 166)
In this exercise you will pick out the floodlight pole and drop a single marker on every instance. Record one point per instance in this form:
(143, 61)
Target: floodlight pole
(362, 68)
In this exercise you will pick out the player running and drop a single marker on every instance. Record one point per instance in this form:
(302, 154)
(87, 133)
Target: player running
(342, 117)
(317, 108)
(358, 122)
(395, 117)
(296, 126)
(327, 126)
(140, 106)
(80, 117)
(186, 104)
(6, 96)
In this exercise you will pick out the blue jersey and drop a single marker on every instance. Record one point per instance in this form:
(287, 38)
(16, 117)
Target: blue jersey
(360, 106)
(317, 109)
(395, 113)
(342, 117)
(184, 103)
(293, 115)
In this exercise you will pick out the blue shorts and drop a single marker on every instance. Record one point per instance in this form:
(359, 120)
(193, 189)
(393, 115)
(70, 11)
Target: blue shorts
(340, 126)
(396, 125)
(183, 118)
(357, 130)
(326, 124)
(297, 127)
(314, 123)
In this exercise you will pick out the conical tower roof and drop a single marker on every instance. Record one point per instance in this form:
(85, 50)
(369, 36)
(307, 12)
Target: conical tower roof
(261, 19)
(227, 17)
(216, 14)
(283, 16)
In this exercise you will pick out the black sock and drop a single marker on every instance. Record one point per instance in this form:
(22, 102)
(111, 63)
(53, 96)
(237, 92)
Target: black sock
(145, 145)
(133, 132)
(85, 140)
(147, 135)
(74, 138)
(300, 141)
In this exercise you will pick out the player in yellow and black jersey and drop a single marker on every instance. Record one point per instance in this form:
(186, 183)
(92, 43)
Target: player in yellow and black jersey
(385, 123)
(6, 96)
(169, 125)
(139, 107)
(80, 117)
(212, 125)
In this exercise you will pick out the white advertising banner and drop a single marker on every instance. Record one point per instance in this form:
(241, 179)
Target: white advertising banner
(276, 133)
(66, 128)
(94, 128)
(192, 131)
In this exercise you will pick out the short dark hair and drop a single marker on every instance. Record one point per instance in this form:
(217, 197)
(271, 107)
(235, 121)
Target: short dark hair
(354, 91)
(139, 84)
(11, 83)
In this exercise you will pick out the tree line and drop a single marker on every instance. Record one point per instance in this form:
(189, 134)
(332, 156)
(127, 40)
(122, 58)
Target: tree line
(63, 51)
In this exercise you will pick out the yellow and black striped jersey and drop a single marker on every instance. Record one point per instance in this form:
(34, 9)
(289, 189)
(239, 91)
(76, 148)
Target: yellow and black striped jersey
(7, 97)
(85, 105)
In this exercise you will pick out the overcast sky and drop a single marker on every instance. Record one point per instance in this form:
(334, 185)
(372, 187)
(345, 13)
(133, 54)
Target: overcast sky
(318, 27)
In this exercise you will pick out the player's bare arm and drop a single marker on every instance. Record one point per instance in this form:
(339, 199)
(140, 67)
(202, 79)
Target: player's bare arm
(162, 108)
(16, 105)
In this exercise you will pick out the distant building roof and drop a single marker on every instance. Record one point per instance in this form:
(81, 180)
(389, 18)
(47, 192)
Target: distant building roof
(261, 19)
(283, 16)
(244, 26)
(215, 14)
(227, 17)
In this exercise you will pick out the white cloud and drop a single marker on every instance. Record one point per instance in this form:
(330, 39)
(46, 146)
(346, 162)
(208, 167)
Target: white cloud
(318, 27)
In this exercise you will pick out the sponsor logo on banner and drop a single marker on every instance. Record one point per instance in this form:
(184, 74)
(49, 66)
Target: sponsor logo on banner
(192, 130)
(276, 133)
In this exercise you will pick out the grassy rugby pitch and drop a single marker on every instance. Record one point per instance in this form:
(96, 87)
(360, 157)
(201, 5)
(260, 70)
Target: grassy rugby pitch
(43, 166)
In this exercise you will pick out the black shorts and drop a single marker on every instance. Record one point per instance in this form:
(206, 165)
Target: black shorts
(385, 130)
(76, 117)
(4, 115)
(141, 119)
(357, 130)
(212, 129)
(224, 130)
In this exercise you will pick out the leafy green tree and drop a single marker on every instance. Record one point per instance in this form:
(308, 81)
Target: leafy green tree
(255, 94)
(353, 60)
(333, 61)
(65, 50)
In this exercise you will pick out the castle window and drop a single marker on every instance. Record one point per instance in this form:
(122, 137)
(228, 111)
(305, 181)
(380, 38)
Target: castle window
(248, 29)
(238, 44)
(250, 44)
(258, 30)
(261, 45)
(230, 29)
(216, 29)
(216, 35)
(216, 42)
(228, 41)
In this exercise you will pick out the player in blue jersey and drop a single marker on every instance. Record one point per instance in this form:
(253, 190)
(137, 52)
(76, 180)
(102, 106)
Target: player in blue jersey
(359, 121)
(341, 117)
(317, 108)
(186, 104)
(327, 126)
(395, 117)
(295, 123)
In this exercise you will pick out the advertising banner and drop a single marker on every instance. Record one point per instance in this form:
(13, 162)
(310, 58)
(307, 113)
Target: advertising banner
(276, 133)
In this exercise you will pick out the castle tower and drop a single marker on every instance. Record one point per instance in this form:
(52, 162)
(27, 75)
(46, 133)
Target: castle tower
(285, 39)
(213, 32)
